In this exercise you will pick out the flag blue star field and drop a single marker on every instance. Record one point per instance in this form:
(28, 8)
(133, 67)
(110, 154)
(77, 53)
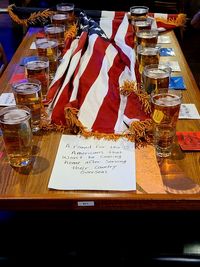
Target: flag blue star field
(92, 70)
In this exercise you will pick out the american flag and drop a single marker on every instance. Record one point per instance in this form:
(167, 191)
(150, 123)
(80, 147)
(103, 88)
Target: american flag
(94, 67)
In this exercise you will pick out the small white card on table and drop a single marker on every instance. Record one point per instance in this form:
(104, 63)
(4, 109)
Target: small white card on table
(92, 164)
(189, 111)
(7, 99)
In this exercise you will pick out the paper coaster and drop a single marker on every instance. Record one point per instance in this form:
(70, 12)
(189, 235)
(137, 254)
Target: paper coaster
(167, 52)
(164, 39)
(189, 141)
(177, 82)
(189, 111)
(7, 99)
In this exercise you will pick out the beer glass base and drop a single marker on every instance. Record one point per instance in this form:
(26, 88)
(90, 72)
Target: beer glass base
(163, 153)
(21, 164)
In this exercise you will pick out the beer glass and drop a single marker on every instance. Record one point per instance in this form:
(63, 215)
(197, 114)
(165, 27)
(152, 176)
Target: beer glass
(60, 19)
(155, 77)
(141, 24)
(49, 48)
(38, 69)
(147, 37)
(56, 32)
(147, 55)
(68, 9)
(15, 123)
(138, 12)
(28, 92)
(165, 111)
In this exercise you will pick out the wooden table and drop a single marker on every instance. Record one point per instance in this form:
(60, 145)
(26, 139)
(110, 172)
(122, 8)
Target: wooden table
(28, 189)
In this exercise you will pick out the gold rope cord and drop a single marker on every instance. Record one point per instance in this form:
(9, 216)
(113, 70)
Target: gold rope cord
(139, 131)
(35, 17)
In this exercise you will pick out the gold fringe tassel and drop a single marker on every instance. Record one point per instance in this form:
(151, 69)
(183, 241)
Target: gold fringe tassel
(129, 87)
(139, 131)
(179, 21)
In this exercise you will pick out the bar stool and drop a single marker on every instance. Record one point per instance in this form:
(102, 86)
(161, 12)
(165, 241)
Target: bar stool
(3, 60)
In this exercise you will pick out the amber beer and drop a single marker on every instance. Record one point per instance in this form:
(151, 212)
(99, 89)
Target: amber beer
(60, 19)
(39, 69)
(165, 111)
(155, 77)
(49, 48)
(147, 56)
(56, 32)
(15, 123)
(28, 92)
(147, 37)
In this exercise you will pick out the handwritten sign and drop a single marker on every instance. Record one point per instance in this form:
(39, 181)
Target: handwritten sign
(92, 164)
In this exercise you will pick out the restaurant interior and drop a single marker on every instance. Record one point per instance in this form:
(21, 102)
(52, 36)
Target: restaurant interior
(109, 236)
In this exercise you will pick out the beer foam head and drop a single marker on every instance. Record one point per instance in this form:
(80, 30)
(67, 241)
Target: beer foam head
(59, 16)
(167, 100)
(157, 73)
(37, 65)
(26, 88)
(15, 115)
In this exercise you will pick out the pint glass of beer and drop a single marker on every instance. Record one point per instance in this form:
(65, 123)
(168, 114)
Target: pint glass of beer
(165, 111)
(56, 32)
(67, 9)
(155, 78)
(15, 123)
(59, 18)
(147, 55)
(28, 92)
(138, 12)
(49, 48)
(147, 37)
(38, 69)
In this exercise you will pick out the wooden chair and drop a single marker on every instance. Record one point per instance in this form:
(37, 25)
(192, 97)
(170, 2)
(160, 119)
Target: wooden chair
(3, 60)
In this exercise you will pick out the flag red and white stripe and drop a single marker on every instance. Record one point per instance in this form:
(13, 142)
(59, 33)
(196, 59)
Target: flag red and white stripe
(91, 73)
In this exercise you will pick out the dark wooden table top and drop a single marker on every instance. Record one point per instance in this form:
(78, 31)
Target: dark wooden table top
(27, 189)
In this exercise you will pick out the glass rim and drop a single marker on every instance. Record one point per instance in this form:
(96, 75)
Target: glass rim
(43, 40)
(51, 25)
(149, 46)
(27, 81)
(158, 66)
(137, 7)
(60, 5)
(178, 95)
(147, 31)
(59, 15)
(26, 116)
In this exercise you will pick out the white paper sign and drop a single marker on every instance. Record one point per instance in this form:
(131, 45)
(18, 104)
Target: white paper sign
(188, 111)
(92, 164)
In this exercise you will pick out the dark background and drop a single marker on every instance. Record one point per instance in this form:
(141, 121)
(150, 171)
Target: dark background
(114, 238)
